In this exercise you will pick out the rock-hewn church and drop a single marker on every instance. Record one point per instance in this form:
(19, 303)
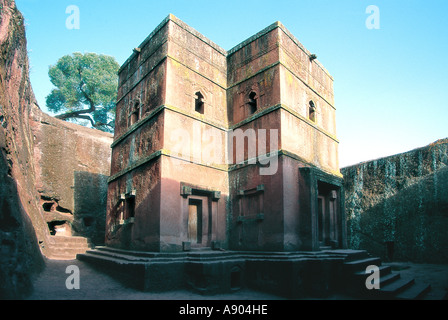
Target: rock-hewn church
(224, 149)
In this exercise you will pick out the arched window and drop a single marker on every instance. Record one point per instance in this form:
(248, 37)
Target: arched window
(199, 102)
(252, 102)
(312, 111)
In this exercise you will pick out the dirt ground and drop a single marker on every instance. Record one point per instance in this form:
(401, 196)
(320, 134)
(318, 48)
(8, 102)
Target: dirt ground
(95, 285)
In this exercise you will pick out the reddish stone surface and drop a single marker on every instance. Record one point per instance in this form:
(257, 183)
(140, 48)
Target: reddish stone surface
(72, 167)
(181, 100)
(50, 170)
(20, 257)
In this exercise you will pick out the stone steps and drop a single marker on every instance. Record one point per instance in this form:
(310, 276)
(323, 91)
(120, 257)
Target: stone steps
(396, 287)
(66, 248)
(143, 270)
(205, 269)
(416, 291)
(146, 271)
(126, 256)
(384, 270)
(133, 256)
(386, 276)
(360, 265)
(136, 253)
(392, 285)
(349, 254)
(204, 255)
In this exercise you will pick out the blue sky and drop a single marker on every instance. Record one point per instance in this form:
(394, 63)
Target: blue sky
(390, 83)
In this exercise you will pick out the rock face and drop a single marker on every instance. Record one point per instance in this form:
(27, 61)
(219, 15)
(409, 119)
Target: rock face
(73, 164)
(19, 212)
(53, 174)
(397, 207)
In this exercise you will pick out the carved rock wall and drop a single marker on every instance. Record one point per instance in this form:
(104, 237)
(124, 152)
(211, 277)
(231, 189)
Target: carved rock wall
(72, 168)
(20, 255)
(50, 170)
(397, 207)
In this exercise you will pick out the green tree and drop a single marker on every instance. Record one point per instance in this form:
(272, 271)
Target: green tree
(86, 89)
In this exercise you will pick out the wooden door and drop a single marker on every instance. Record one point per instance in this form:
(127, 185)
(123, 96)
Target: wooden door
(195, 221)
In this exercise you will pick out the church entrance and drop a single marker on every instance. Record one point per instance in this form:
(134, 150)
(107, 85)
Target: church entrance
(321, 219)
(321, 210)
(195, 221)
(199, 216)
(327, 216)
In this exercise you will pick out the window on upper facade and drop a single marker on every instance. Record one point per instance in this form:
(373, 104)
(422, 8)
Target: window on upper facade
(130, 207)
(312, 111)
(252, 102)
(199, 102)
(135, 113)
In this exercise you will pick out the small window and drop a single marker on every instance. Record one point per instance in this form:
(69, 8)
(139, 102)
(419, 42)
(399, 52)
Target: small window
(252, 102)
(199, 103)
(130, 207)
(135, 113)
(312, 112)
(126, 207)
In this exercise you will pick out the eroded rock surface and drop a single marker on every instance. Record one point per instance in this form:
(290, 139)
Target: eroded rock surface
(53, 174)
(397, 206)
(19, 213)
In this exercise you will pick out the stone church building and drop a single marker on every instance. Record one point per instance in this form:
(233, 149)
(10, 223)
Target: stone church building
(219, 149)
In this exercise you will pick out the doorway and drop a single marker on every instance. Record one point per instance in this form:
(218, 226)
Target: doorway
(321, 207)
(321, 220)
(327, 216)
(194, 232)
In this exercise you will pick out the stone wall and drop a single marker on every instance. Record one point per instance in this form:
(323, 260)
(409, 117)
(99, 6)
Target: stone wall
(19, 213)
(397, 207)
(195, 118)
(72, 168)
(48, 168)
(158, 87)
